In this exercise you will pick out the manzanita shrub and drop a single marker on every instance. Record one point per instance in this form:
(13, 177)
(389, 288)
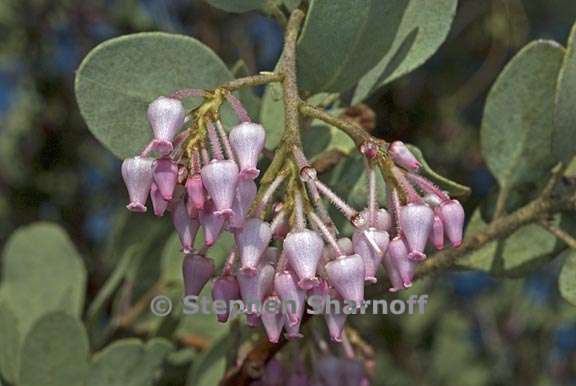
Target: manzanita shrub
(226, 189)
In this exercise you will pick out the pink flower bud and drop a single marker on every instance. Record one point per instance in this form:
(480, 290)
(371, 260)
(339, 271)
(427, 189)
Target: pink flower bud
(220, 179)
(416, 223)
(245, 195)
(293, 330)
(212, 224)
(402, 156)
(225, 288)
(166, 116)
(371, 245)
(437, 233)
(346, 275)
(197, 270)
(254, 288)
(185, 226)
(196, 192)
(304, 250)
(137, 175)
(292, 296)
(165, 176)
(247, 139)
(391, 271)
(159, 204)
(400, 262)
(334, 321)
(452, 215)
(252, 242)
(272, 318)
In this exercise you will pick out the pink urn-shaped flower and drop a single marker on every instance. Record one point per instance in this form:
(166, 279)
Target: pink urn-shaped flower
(303, 250)
(416, 222)
(247, 140)
(252, 242)
(225, 288)
(452, 215)
(165, 177)
(346, 274)
(138, 175)
(254, 288)
(197, 270)
(292, 296)
(166, 116)
(220, 178)
(186, 227)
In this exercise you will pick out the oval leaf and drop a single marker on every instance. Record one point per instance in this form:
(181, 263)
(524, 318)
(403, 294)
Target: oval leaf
(128, 362)
(342, 40)
(272, 115)
(563, 143)
(522, 252)
(567, 278)
(10, 347)
(120, 77)
(518, 118)
(55, 352)
(424, 27)
(40, 259)
(210, 366)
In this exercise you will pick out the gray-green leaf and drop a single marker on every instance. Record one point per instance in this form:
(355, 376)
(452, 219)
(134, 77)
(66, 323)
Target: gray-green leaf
(523, 251)
(563, 143)
(567, 278)
(518, 118)
(210, 366)
(120, 77)
(55, 352)
(424, 27)
(341, 40)
(41, 272)
(128, 362)
(10, 347)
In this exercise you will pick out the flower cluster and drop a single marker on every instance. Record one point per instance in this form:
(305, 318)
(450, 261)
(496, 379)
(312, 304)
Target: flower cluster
(286, 244)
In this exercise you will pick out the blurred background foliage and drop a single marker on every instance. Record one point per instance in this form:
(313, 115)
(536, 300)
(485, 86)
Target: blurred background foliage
(476, 331)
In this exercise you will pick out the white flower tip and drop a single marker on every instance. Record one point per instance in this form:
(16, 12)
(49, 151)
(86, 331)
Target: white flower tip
(416, 256)
(308, 283)
(293, 335)
(224, 213)
(248, 270)
(249, 173)
(161, 146)
(136, 207)
(371, 279)
(293, 320)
